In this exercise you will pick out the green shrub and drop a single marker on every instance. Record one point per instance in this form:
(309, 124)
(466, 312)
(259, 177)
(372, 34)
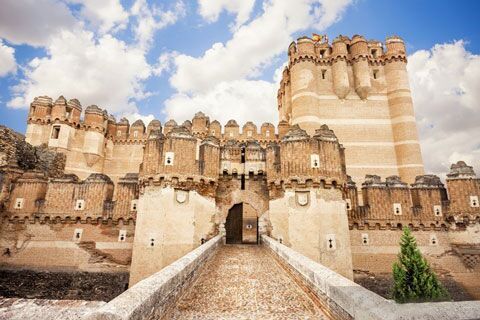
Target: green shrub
(414, 281)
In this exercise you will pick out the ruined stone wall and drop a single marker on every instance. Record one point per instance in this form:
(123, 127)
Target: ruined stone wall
(66, 245)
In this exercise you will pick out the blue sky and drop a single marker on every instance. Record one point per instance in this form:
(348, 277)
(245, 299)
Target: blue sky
(163, 59)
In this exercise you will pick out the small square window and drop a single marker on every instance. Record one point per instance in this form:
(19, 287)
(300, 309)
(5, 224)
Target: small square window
(374, 53)
(55, 132)
(19, 203)
(437, 210)
(77, 235)
(349, 204)
(169, 157)
(80, 205)
(365, 239)
(474, 202)
(133, 205)
(122, 235)
(397, 209)
(315, 161)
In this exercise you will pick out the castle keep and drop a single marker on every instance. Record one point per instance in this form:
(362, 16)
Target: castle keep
(336, 179)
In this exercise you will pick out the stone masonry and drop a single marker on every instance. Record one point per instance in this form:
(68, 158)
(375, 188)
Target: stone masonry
(336, 180)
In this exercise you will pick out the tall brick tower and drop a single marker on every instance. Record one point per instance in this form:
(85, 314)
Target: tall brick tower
(363, 94)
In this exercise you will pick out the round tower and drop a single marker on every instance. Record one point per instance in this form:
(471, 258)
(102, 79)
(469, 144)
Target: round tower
(341, 85)
(95, 118)
(59, 109)
(111, 127)
(361, 70)
(76, 110)
(122, 128)
(303, 84)
(405, 136)
(200, 123)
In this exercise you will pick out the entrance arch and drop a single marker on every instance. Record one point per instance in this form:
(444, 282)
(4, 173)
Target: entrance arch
(233, 224)
(241, 225)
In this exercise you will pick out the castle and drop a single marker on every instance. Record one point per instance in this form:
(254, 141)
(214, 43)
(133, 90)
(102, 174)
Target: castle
(94, 194)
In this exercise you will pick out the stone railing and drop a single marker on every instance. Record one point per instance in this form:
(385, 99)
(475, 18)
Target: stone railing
(344, 299)
(152, 297)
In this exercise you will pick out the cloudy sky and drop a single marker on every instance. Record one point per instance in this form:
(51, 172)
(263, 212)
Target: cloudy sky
(168, 59)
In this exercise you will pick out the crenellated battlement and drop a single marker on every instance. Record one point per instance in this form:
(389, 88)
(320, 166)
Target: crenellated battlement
(424, 205)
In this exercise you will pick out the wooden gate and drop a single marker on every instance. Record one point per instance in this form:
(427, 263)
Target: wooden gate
(234, 223)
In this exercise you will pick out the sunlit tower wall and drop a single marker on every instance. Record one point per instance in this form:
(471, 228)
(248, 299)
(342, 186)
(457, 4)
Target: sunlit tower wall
(360, 89)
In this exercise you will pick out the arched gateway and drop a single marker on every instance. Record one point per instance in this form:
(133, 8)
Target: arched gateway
(241, 225)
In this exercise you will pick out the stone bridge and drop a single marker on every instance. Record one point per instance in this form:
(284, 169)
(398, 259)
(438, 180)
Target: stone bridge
(267, 281)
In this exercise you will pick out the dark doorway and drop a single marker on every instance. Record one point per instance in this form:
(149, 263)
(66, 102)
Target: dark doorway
(233, 225)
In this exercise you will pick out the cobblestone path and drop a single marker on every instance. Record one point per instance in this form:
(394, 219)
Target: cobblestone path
(245, 282)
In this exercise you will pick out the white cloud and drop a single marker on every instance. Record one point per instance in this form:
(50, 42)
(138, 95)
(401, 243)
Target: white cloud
(7, 59)
(149, 19)
(165, 63)
(106, 72)
(242, 100)
(211, 9)
(106, 15)
(34, 22)
(132, 117)
(445, 82)
(232, 66)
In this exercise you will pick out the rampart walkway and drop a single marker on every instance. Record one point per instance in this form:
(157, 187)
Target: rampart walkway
(245, 282)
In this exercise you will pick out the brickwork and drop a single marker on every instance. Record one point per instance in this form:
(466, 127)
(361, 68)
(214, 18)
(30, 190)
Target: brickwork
(343, 158)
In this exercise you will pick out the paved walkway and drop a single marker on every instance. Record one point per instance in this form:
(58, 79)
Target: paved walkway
(245, 282)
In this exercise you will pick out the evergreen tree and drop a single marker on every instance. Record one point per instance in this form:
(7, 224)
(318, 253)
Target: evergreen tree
(414, 281)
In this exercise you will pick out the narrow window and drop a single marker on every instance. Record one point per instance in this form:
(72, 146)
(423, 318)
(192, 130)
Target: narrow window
(135, 134)
(213, 132)
(68, 113)
(242, 182)
(122, 235)
(324, 72)
(169, 156)
(365, 240)
(119, 133)
(19, 203)
(243, 155)
(133, 205)
(374, 53)
(474, 201)
(77, 235)
(249, 133)
(267, 133)
(322, 53)
(349, 204)
(375, 74)
(231, 134)
(55, 132)
(79, 204)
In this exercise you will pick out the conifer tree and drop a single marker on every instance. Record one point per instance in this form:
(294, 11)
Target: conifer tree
(414, 281)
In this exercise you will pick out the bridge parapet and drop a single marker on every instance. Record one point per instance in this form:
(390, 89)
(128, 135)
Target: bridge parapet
(152, 297)
(344, 299)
